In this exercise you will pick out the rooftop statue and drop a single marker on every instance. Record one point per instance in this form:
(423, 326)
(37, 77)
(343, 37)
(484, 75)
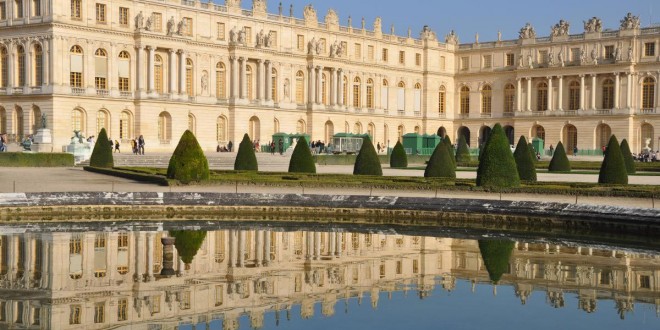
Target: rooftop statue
(593, 25)
(378, 25)
(560, 29)
(310, 14)
(451, 38)
(427, 33)
(331, 17)
(527, 32)
(233, 3)
(630, 22)
(259, 6)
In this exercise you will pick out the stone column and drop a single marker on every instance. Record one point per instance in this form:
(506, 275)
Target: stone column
(182, 72)
(550, 96)
(138, 257)
(629, 81)
(582, 92)
(243, 79)
(333, 86)
(333, 243)
(319, 85)
(268, 75)
(267, 243)
(617, 89)
(340, 88)
(258, 247)
(150, 256)
(528, 106)
(593, 91)
(338, 251)
(150, 71)
(172, 72)
(241, 249)
(233, 77)
(261, 80)
(317, 245)
(168, 256)
(29, 55)
(139, 65)
(48, 46)
(181, 268)
(519, 95)
(560, 92)
(311, 95)
(232, 248)
(657, 90)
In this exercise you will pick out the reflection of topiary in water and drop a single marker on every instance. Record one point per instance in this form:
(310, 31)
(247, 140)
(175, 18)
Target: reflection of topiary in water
(188, 162)
(187, 243)
(496, 255)
(102, 154)
(398, 159)
(301, 159)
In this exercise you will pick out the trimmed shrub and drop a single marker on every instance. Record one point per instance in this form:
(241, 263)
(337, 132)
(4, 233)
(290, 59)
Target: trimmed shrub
(627, 157)
(102, 153)
(450, 148)
(559, 161)
(496, 255)
(188, 162)
(398, 159)
(187, 243)
(532, 152)
(301, 159)
(440, 165)
(26, 159)
(246, 160)
(497, 168)
(525, 160)
(367, 162)
(463, 152)
(613, 170)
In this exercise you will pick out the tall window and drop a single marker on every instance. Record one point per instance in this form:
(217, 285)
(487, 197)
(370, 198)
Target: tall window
(488, 61)
(510, 59)
(443, 63)
(124, 65)
(122, 310)
(157, 22)
(158, 73)
(18, 8)
(76, 75)
(401, 97)
(125, 125)
(74, 314)
(649, 49)
(3, 10)
(100, 13)
(324, 89)
(220, 31)
(75, 9)
(385, 55)
(77, 120)
(300, 87)
(101, 69)
(402, 57)
(164, 127)
(358, 51)
(345, 96)
(465, 100)
(509, 97)
(188, 31)
(417, 99)
(608, 94)
(486, 99)
(189, 77)
(250, 84)
(574, 95)
(123, 16)
(36, 7)
(542, 97)
(274, 85)
(20, 53)
(192, 125)
(3, 70)
(221, 129)
(301, 127)
(301, 42)
(99, 313)
(102, 121)
(442, 100)
(384, 95)
(248, 35)
(357, 90)
(418, 59)
(38, 66)
(648, 90)
(370, 52)
(220, 80)
(370, 94)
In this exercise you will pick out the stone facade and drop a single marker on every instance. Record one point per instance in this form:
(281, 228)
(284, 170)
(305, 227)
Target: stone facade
(156, 68)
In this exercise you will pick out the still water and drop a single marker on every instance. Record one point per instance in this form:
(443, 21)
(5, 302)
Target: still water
(257, 278)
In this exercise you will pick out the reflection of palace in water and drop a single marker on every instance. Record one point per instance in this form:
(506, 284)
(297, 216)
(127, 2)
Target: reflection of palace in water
(93, 280)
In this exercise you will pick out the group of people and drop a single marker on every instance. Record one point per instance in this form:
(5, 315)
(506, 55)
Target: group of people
(651, 156)
(317, 147)
(226, 148)
(137, 145)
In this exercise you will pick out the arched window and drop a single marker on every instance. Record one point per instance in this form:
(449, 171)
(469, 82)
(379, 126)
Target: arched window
(371, 130)
(509, 97)
(20, 65)
(329, 131)
(370, 94)
(570, 138)
(164, 127)
(124, 71)
(347, 128)
(647, 135)
(417, 129)
(486, 99)
(542, 97)
(125, 125)
(101, 69)
(345, 96)
(300, 87)
(603, 134)
(76, 67)
(401, 97)
(220, 82)
(276, 125)
(102, 121)
(574, 96)
(192, 123)
(324, 89)
(78, 120)
(539, 132)
(189, 77)
(38, 65)
(465, 100)
(301, 127)
(357, 90)
(158, 73)
(255, 129)
(417, 99)
(221, 129)
(35, 119)
(357, 128)
(274, 85)
(250, 83)
(400, 131)
(18, 128)
(442, 100)
(384, 95)
(4, 68)
(648, 93)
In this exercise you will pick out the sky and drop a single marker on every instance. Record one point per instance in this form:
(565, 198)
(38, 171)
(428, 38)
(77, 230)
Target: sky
(475, 16)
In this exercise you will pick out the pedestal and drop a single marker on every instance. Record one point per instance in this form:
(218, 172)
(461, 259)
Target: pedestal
(43, 136)
(168, 256)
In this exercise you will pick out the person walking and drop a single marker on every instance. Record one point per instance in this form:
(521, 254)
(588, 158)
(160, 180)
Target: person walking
(229, 145)
(575, 151)
(117, 146)
(141, 145)
(280, 145)
(272, 148)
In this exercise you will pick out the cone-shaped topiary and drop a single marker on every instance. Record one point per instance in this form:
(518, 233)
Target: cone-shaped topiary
(627, 157)
(497, 167)
(463, 152)
(524, 161)
(496, 255)
(188, 162)
(613, 168)
(102, 153)
(246, 160)
(559, 161)
(532, 152)
(367, 162)
(301, 159)
(440, 165)
(398, 158)
(187, 243)
(450, 148)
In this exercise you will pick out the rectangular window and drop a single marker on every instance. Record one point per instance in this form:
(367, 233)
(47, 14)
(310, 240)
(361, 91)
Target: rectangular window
(465, 63)
(609, 52)
(301, 42)
(385, 53)
(123, 16)
(418, 59)
(488, 61)
(122, 310)
(100, 13)
(272, 36)
(219, 291)
(184, 300)
(649, 49)
(248, 35)
(123, 84)
(155, 304)
(575, 54)
(358, 51)
(188, 31)
(510, 60)
(157, 21)
(3, 10)
(443, 63)
(38, 69)
(36, 7)
(99, 313)
(441, 102)
(402, 57)
(644, 282)
(542, 57)
(75, 9)
(74, 314)
(76, 79)
(18, 8)
(220, 29)
(100, 83)
(370, 52)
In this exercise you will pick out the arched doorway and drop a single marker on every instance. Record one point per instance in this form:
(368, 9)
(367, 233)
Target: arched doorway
(484, 133)
(538, 131)
(371, 130)
(647, 135)
(35, 119)
(164, 127)
(301, 127)
(357, 128)
(254, 128)
(442, 132)
(465, 132)
(329, 131)
(603, 134)
(18, 123)
(510, 133)
(570, 138)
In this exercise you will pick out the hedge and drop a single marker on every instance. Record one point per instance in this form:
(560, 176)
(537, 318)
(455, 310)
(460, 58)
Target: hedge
(627, 157)
(301, 160)
(188, 162)
(450, 147)
(398, 159)
(497, 168)
(28, 159)
(524, 160)
(130, 174)
(463, 152)
(440, 165)
(246, 160)
(613, 170)
(367, 162)
(102, 153)
(559, 162)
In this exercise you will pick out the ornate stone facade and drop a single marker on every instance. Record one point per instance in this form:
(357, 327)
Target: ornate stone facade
(157, 69)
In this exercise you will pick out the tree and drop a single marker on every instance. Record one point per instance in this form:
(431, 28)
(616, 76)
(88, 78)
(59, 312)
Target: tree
(497, 167)
(440, 165)
(187, 243)
(463, 152)
(496, 255)
(450, 148)
(367, 162)
(613, 169)
(627, 157)
(102, 153)
(188, 162)
(246, 160)
(301, 159)
(398, 158)
(559, 161)
(525, 161)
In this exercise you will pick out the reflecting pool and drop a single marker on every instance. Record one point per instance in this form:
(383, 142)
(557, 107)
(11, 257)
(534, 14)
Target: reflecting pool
(256, 277)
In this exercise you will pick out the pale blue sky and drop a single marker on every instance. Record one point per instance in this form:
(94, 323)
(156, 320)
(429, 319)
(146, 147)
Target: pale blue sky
(475, 16)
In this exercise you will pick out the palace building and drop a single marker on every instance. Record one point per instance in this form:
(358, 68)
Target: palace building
(156, 68)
